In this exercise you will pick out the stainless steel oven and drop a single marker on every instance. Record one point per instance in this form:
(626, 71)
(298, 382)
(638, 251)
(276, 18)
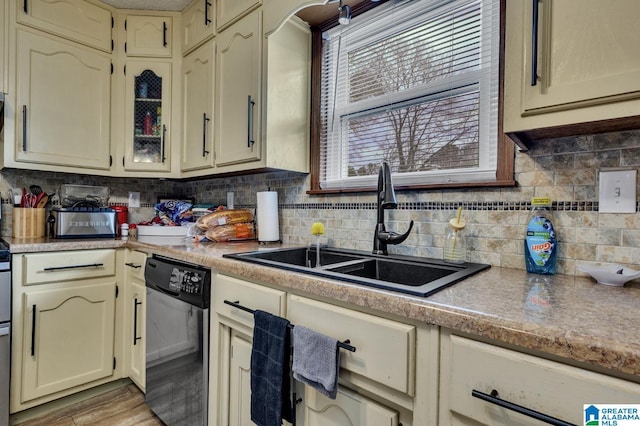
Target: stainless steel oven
(177, 346)
(5, 331)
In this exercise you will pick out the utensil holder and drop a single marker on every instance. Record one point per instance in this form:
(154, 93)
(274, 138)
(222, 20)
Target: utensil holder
(28, 222)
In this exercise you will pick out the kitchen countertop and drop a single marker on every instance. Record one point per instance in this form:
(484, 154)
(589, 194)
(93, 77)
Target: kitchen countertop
(557, 316)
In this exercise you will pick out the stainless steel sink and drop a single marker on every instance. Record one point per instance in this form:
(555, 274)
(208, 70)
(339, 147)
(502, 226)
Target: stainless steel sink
(406, 274)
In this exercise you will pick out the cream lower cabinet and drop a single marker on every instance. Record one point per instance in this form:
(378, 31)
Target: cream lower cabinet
(378, 384)
(64, 317)
(471, 369)
(135, 311)
(62, 106)
(577, 64)
(232, 328)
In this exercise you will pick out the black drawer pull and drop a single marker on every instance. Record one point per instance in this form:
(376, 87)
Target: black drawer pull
(534, 44)
(33, 331)
(494, 398)
(133, 265)
(61, 268)
(135, 321)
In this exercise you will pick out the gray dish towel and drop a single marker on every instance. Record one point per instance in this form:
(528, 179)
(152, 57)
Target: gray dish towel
(316, 360)
(270, 370)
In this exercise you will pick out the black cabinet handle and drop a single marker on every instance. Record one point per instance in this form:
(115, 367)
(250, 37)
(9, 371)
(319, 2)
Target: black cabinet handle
(24, 127)
(24, 6)
(204, 134)
(133, 265)
(494, 398)
(164, 134)
(33, 331)
(207, 4)
(250, 105)
(135, 321)
(61, 268)
(534, 44)
(164, 34)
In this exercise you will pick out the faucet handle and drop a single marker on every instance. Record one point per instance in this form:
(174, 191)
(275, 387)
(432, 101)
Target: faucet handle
(393, 237)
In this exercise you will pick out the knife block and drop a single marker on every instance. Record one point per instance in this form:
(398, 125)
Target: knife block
(28, 222)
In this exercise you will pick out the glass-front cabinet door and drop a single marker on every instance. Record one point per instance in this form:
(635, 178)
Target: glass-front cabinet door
(148, 88)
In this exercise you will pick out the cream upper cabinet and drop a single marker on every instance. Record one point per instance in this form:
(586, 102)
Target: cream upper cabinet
(198, 24)
(577, 64)
(197, 109)
(77, 20)
(63, 98)
(147, 125)
(4, 50)
(248, 136)
(477, 377)
(229, 11)
(149, 36)
(238, 89)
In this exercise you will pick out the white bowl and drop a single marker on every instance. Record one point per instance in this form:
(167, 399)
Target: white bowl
(614, 275)
(162, 231)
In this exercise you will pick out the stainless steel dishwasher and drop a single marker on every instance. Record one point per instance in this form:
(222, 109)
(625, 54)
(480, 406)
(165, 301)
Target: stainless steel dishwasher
(177, 347)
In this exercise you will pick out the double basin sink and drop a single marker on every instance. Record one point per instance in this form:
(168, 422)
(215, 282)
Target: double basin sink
(406, 274)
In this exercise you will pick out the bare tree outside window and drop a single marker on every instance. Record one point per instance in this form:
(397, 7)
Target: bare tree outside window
(430, 133)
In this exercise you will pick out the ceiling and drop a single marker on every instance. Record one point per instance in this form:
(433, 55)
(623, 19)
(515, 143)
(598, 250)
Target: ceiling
(313, 15)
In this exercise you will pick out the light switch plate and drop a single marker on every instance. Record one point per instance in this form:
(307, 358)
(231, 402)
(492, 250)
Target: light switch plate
(617, 191)
(134, 199)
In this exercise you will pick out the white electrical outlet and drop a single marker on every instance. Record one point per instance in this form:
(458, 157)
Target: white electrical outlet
(230, 200)
(134, 199)
(617, 191)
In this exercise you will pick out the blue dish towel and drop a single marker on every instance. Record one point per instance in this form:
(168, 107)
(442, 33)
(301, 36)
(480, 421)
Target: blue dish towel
(316, 360)
(270, 370)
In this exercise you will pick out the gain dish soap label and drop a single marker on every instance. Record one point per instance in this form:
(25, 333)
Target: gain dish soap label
(540, 241)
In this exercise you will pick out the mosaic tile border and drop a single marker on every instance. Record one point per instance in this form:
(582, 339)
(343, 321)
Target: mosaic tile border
(582, 206)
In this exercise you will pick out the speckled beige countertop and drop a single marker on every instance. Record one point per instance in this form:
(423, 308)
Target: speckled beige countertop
(560, 316)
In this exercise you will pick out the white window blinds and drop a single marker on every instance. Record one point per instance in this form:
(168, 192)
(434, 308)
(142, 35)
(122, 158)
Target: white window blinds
(414, 83)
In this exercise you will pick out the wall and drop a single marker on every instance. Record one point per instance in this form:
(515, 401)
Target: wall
(564, 169)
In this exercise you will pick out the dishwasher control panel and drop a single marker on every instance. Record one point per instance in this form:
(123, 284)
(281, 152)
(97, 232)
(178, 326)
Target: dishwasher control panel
(187, 282)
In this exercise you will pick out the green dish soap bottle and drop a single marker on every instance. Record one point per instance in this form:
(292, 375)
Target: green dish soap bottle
(540, 243)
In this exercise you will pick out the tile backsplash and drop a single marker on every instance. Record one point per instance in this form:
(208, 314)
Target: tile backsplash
(564, 169)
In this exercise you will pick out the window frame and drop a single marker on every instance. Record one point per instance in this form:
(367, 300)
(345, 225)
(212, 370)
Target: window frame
(505, 165)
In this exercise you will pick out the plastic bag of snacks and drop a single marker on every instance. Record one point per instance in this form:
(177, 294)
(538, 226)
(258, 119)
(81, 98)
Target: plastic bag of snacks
(174, 212)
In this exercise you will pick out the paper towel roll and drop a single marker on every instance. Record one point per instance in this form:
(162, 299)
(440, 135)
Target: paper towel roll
(268, 225)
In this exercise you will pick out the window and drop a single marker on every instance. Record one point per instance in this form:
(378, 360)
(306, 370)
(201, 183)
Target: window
(414, 83)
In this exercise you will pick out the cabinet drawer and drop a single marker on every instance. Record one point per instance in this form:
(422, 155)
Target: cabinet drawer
(76, 20)
(67, 266)
(134, 266)
(549, 387)
(385, 349)
(250, 295)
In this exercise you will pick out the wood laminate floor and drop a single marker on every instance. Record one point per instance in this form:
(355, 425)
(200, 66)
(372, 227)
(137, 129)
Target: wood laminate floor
(122, 407)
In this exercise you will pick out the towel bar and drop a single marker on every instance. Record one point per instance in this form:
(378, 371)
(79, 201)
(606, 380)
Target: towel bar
(236, 304)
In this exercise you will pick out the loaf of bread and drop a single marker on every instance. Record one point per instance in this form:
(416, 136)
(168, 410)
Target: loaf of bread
(236, 231)
(224, 217)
